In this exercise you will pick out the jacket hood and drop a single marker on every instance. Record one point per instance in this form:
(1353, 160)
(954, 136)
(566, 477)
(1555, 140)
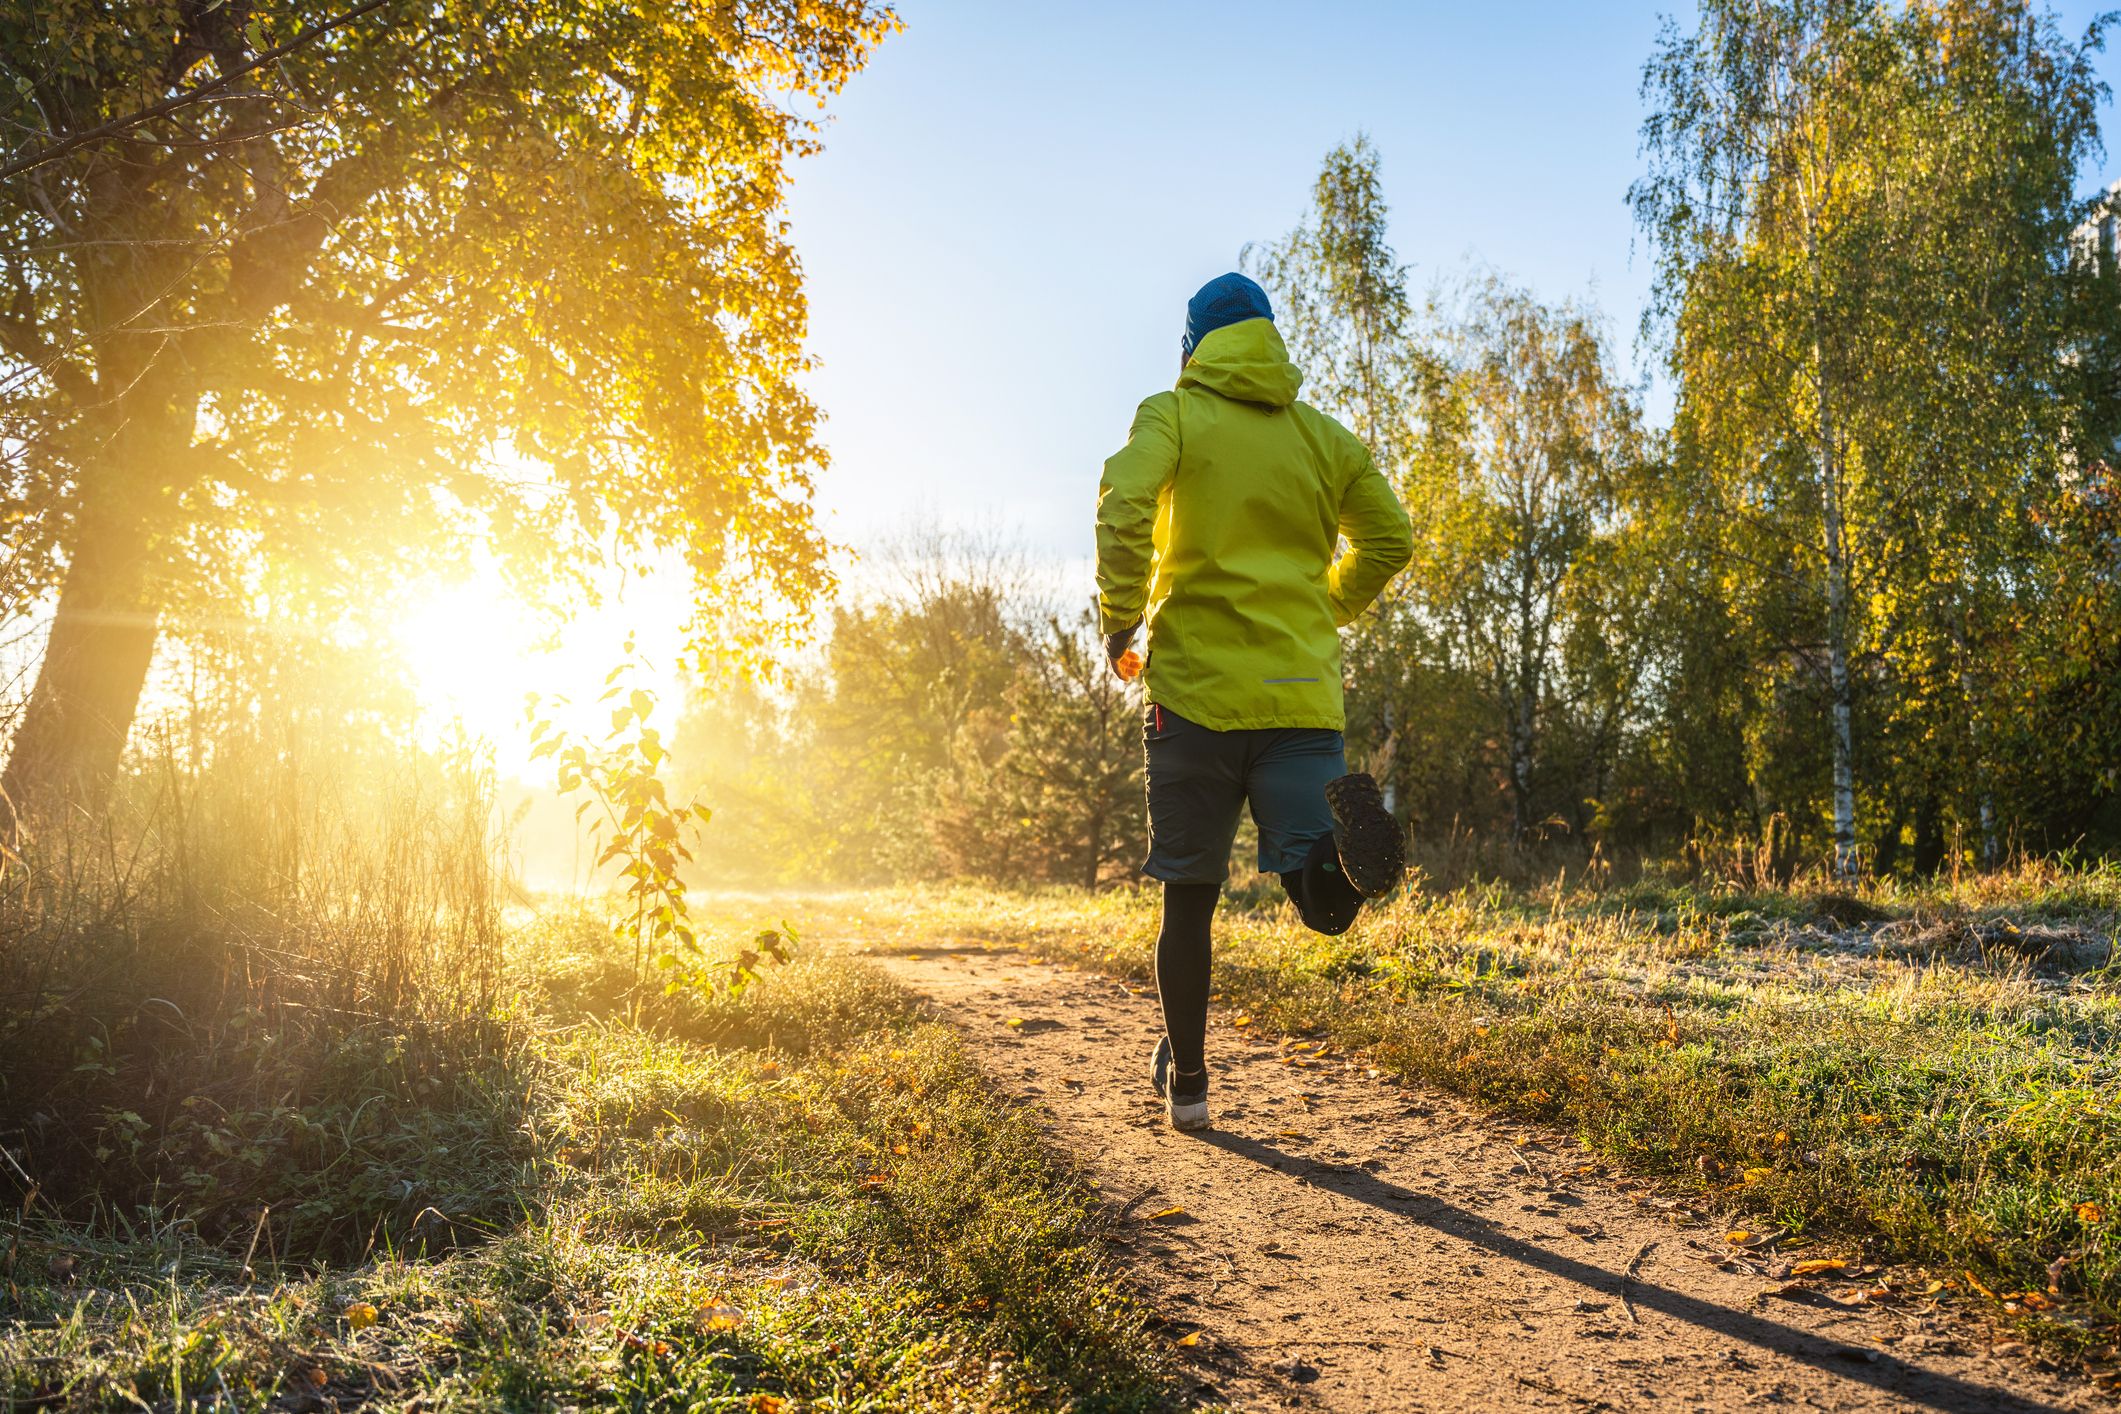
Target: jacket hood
(1246, 361)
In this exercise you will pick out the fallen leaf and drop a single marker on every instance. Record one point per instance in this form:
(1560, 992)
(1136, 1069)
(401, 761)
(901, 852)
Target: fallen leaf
(2089, 1212)
(713, 1317)
(1872, 1120)
(770, 1069)
(763, 1403)
(1974, 1283)
(1014, 1022)
(1165, 1215)
(1814, 1265)
(1242, 1021)
(361, 1315)
(1190, 1338)
(1738, 1238)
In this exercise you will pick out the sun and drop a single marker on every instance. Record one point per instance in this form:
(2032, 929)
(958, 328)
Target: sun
(475, 653)
(468, 648)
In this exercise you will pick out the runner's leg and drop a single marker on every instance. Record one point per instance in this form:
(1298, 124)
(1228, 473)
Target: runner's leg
(1196, 791)
(1286, 781)
(1183, 953)
(1324, 898)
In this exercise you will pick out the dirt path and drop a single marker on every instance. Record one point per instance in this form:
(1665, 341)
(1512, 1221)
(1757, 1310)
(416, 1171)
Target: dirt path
(1348, 1244)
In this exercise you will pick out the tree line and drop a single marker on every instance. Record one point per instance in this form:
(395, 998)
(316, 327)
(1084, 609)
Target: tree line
(294, 299)
(1857, 608)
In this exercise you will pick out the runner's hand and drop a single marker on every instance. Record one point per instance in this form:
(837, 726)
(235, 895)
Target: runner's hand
(1126, 663)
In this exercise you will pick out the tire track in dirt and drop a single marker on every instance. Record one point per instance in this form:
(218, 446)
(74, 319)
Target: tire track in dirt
(1350, 1244)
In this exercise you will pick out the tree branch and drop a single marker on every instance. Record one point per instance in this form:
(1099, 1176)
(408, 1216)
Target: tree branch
(52, 152)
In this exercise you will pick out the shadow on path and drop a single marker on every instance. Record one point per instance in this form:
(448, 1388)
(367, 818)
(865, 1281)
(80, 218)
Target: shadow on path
(1925, 1388)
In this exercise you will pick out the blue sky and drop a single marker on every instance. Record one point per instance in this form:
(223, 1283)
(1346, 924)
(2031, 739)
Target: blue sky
(1015, 201)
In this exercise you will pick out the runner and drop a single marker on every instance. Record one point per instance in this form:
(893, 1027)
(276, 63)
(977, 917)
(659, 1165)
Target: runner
(1217, 524)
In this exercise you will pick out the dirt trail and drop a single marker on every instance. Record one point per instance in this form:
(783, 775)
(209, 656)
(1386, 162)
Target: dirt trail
(1349, 1244)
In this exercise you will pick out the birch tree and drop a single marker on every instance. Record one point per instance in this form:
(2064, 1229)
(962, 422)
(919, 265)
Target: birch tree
(1833, 317)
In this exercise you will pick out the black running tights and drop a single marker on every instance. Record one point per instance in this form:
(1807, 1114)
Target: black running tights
(1182, 953)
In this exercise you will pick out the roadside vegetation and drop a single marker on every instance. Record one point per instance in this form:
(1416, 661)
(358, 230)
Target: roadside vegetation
(284, 1160)
(1927, 1072)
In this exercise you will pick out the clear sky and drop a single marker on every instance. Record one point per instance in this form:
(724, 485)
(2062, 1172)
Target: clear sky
(1015, 201)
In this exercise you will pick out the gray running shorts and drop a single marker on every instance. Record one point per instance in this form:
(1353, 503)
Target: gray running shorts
(1200, 779)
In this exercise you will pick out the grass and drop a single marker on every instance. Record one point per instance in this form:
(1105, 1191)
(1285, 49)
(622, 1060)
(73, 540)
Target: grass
(1929, 1072)
(800, 1199)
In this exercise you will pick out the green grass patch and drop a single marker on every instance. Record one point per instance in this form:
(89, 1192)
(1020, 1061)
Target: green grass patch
(800, 1199)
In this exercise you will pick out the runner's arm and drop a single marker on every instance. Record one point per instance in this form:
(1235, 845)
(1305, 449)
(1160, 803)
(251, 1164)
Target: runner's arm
(1380, 543)
(1127, 499)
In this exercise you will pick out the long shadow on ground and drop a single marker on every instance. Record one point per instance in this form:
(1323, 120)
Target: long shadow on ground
(1865, 1366)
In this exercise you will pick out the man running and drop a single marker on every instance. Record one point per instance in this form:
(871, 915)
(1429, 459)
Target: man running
(1217, 523)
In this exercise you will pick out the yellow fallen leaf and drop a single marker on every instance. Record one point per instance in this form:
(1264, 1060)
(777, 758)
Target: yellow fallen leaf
(1538, 1097)
(1975, 1283)
(1242, 1021)
(1782, 1137)
(1014, 1021)
(1873, 1120)
(361, 1315)
(1755, 1175)
(1190, 1338)
(713, 1317)
(1933, 1288)
(2090, 1212)
(898, 1149)
(763, 1403)
(1815, 1265)
(1738, 1238)
(1165, 1215)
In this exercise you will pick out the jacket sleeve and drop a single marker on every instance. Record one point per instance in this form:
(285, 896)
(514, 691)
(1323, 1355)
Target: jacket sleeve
(1380, 543)
(1127, 500)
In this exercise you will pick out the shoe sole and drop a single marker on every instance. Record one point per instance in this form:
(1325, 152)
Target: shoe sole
(1373, 849)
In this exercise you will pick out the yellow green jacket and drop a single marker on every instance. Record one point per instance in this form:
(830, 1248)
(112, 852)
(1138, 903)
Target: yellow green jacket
(1217, 524)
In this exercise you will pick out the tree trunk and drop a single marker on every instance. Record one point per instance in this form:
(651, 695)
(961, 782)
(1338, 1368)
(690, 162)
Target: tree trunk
(1837, 626)
(72, 736)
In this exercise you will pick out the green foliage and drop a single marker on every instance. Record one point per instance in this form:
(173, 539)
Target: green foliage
(954, 728)
(634, 826)
(1342, 307)
(513, 272)
(1863, 217)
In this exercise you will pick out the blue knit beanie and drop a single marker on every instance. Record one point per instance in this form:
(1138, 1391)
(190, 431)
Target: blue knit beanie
(1226, 299)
